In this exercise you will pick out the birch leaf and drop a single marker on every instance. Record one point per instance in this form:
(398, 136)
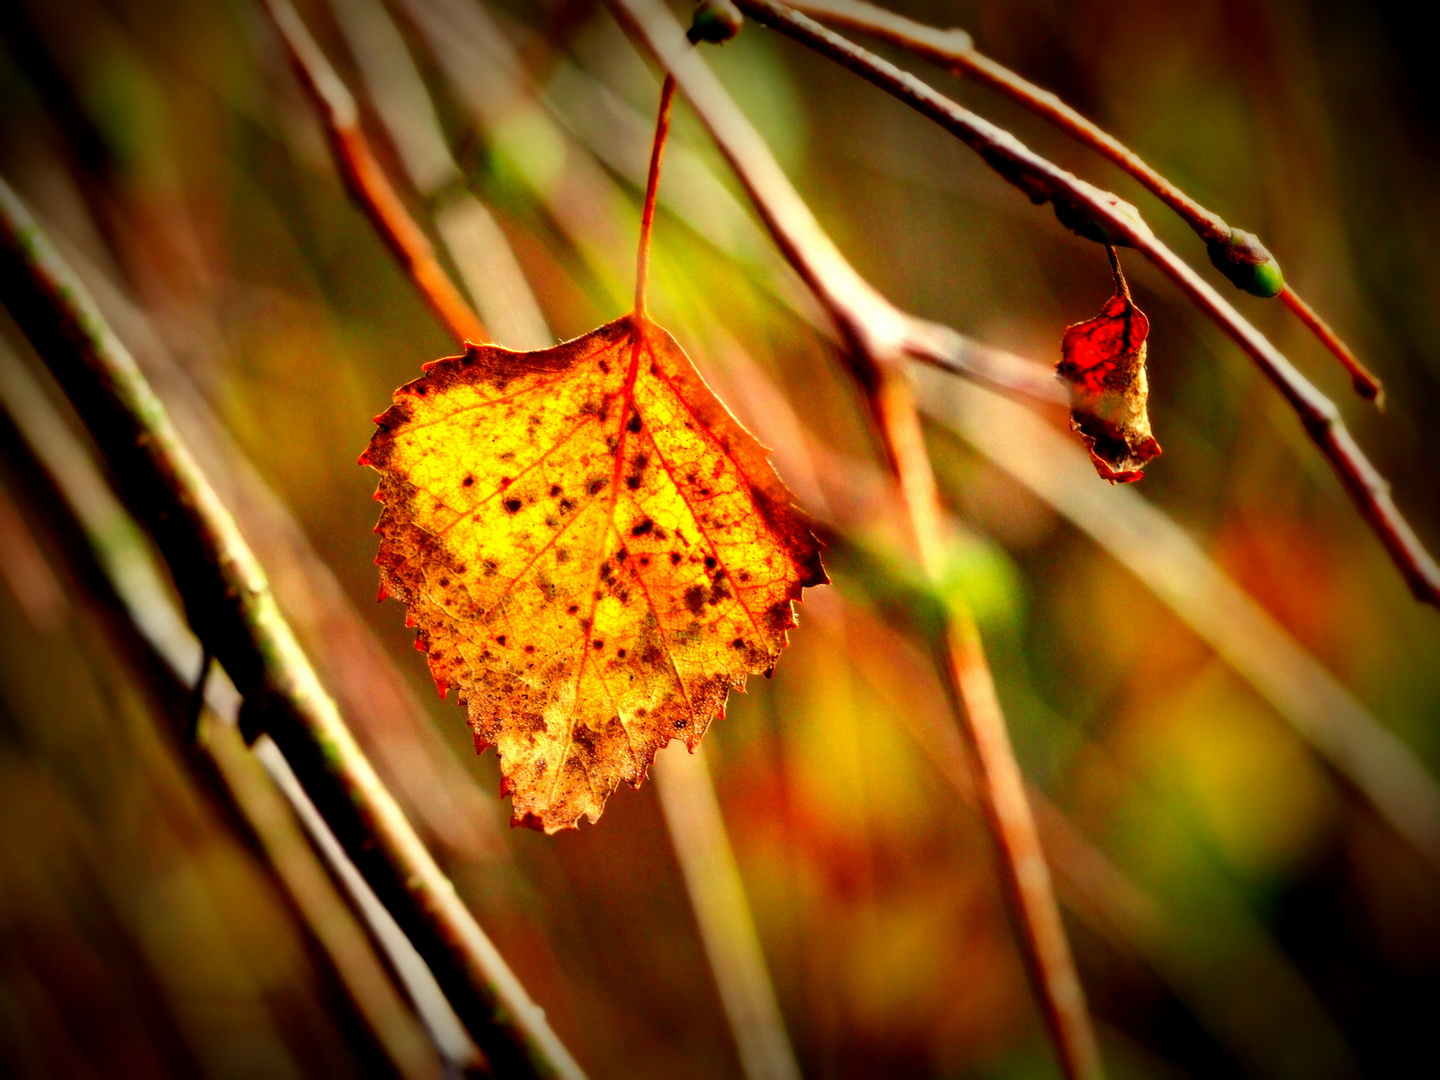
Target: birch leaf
(593, 551)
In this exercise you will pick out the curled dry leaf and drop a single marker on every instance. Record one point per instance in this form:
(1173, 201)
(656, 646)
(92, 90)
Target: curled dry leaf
(594, 552)
(1102, 362)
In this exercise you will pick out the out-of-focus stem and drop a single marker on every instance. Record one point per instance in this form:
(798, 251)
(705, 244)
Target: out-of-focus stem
(106, 551)
(477, 246)
(1024, 873)
(1043, 180)
(1155, 549)
(877, 335)
(320, 904)
(954, 49)
(230, 607)
(366, 180)
(712, 878)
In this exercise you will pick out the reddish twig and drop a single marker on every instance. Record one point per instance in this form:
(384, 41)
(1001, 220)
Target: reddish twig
(232, 610)
(1024, 873)
(1365, 383)
(878, 338)
(954, 50)
(366, 180)
(1102, 214)
(652, 184)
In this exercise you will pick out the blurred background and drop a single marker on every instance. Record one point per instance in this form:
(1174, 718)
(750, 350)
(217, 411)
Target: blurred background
(1222, 692)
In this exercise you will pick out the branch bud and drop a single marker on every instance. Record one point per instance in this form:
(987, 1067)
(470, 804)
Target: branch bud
(715, 21)
(1244, 260)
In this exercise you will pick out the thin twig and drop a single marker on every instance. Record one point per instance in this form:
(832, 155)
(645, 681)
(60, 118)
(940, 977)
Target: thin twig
(366, 180)
(1365, 383)
(955, 50)
(477, 246)
(877, 335)
(232, 610)
(1042, 181)
(652, 184)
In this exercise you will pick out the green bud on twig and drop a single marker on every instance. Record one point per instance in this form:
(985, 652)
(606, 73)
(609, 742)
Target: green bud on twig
(1244, 260)
(715, 21)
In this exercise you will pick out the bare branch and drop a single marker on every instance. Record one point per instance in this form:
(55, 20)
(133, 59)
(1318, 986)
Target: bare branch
(1101, 214)
(954, 49)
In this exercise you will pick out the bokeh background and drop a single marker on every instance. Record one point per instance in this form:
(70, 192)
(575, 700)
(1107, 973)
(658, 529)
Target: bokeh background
(1237, 903)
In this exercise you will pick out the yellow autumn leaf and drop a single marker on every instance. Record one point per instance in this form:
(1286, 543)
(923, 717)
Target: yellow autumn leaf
(594, 552)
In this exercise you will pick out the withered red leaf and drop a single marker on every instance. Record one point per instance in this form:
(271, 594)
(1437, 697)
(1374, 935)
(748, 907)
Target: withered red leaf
(1102, 363)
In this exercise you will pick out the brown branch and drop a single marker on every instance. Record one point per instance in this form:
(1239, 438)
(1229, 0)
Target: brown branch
(231, 609)
(1103, 215)
(878, 336)
(1365, 384)
(366, 180)
(955, 50)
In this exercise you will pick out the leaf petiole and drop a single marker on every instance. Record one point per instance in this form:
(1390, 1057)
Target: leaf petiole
(652, 182)
(1121, 285)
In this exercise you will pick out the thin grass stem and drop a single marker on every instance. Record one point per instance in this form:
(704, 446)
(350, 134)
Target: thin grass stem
(727, 927)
